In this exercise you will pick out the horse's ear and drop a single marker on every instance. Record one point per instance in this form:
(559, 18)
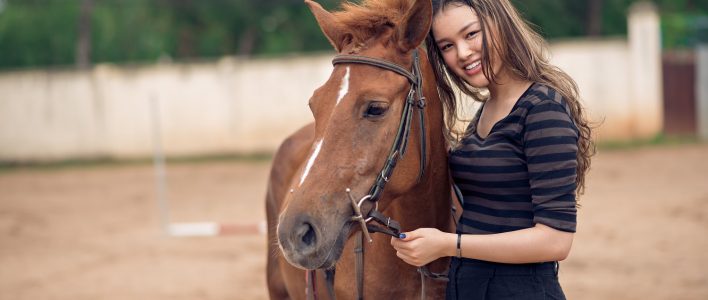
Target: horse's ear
(332, 29)
(415, 25)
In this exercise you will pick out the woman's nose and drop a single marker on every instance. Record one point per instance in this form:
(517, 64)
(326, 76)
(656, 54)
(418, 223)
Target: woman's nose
(463, 51)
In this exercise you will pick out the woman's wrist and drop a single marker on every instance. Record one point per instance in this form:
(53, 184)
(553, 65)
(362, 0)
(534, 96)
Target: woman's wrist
(458, 249)
(451, 244)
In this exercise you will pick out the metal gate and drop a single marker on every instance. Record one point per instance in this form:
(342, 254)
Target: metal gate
(679, 68)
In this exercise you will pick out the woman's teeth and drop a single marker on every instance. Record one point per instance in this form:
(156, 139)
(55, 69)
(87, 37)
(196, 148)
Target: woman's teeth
(473, 65)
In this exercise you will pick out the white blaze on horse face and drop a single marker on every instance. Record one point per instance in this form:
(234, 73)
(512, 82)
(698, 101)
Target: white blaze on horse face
(344, 88)
(311, 161)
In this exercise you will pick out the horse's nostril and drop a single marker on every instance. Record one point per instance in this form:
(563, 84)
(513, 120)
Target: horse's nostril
(309, 237)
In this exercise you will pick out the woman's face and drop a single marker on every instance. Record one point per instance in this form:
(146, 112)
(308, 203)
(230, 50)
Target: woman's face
(458, 35)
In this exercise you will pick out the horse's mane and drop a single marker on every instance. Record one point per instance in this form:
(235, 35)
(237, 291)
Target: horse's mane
(371, 17)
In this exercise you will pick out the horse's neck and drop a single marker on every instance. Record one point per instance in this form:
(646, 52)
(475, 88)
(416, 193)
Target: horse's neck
(428, 204)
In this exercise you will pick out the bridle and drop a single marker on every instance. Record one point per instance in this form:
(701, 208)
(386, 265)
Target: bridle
(414, 100)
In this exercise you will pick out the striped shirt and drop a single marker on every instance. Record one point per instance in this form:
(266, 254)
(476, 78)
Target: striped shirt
(523, 172)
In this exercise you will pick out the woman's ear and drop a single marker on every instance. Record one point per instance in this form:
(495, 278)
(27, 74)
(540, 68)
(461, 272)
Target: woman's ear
(415, 25)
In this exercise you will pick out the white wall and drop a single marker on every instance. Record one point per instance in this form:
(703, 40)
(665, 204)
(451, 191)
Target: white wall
(227, 106)
(235, 105)
(702, 91)
(601, 70)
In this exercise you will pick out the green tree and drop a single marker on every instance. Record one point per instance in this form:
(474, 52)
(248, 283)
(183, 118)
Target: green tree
(59, 32)
(37, 33)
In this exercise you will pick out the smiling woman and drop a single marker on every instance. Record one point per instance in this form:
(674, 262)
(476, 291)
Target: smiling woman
(460, 41)
(518, 164)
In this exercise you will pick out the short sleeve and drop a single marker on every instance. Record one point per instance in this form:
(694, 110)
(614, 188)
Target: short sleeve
(551, 148)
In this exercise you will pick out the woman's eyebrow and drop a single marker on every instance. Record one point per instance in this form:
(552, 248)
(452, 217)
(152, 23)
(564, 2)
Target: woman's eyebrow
(463, 29)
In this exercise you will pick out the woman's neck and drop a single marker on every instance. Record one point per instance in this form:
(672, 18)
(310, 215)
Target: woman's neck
(508, 88)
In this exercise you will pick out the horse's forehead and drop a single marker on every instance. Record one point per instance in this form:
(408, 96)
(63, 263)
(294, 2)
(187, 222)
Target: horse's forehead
(351, 78)
(356, 78)
(375, 45)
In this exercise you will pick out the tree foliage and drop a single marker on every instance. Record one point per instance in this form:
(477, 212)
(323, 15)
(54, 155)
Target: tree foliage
(45, 32)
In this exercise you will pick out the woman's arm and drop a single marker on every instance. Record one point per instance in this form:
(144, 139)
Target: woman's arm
(536, 244)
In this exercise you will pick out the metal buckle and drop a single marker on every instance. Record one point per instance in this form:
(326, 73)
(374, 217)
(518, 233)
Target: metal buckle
(358, 216)
(385, 179)
(361, 201)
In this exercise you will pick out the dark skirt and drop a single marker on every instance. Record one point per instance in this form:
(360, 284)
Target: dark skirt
(476, 279)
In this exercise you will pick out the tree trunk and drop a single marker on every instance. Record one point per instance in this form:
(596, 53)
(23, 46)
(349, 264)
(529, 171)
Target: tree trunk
(247, 42)
(83, 44)
(594, 25)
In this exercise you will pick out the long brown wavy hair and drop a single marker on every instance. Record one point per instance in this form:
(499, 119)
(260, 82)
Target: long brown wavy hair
(525, 53)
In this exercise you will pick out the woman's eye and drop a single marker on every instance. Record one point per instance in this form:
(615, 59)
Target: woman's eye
(471, 34)
(445, 47)
(375, 110)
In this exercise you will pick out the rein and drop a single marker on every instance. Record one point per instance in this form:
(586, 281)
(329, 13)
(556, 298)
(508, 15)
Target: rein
(415, 99)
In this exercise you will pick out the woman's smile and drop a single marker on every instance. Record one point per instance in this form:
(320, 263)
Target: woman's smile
(473, 68)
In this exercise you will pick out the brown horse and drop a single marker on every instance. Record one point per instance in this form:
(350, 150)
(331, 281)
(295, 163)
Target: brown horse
(357, 114)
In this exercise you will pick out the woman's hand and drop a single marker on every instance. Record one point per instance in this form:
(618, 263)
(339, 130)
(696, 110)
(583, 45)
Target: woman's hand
(423, 245)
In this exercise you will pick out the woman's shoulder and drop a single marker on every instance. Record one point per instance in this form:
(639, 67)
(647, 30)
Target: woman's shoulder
(539, 93)
(541, 97)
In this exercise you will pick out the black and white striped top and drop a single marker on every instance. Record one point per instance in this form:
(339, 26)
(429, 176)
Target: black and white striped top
(523, 172)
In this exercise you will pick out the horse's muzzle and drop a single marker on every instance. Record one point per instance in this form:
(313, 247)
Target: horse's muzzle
(305, 245)
(299, 241)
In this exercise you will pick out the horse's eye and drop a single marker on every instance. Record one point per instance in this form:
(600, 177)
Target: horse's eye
(376, 109)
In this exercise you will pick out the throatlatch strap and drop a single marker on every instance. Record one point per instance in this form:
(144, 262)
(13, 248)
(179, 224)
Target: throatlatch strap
(421, 112)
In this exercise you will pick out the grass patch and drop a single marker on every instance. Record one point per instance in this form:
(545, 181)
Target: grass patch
(658, 140)
(7, 166)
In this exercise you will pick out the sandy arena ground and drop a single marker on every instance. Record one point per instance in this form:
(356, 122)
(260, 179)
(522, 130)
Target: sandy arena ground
(94, 232)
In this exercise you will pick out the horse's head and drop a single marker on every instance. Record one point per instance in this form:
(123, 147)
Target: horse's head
(357, 114)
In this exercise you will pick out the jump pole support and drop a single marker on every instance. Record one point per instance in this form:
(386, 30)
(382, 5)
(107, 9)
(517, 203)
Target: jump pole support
(187, 229)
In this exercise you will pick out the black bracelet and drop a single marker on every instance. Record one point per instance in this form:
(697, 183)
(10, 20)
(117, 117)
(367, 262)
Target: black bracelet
(459, 251)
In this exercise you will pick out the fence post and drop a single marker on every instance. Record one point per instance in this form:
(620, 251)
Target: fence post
(645, 70)
(702, 90)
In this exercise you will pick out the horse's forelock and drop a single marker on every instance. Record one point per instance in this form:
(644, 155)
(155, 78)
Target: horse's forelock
(371, 17)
